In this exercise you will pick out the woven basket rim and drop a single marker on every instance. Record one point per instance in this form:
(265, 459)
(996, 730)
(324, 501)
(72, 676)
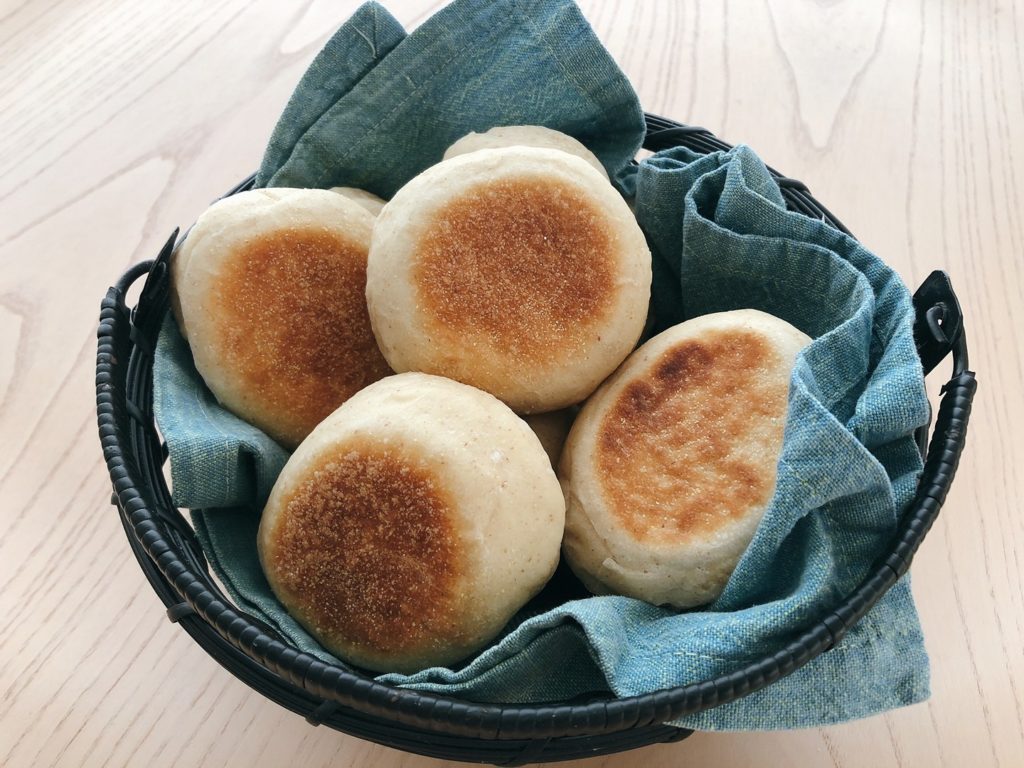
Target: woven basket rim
(154, 526)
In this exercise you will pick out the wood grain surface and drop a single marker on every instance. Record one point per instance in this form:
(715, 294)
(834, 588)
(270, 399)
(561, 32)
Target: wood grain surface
(119, 121)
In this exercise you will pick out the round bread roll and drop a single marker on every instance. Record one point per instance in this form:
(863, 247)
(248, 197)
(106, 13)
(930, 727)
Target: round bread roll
(670, 466)
(519, 271)
(412, 524)
(523, 136)
(552, 429)
(367, 200)
(271, 285)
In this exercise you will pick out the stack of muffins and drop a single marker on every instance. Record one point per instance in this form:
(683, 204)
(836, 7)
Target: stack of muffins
(425, 359)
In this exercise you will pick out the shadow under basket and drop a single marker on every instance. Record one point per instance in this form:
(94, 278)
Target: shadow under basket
(442, 726)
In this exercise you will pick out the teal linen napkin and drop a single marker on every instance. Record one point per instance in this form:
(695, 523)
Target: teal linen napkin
(721, 239)
(354, 50)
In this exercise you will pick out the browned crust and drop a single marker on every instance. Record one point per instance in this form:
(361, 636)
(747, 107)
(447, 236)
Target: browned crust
(523, 265)
(666, 450)
(366, 554)
(293, 327)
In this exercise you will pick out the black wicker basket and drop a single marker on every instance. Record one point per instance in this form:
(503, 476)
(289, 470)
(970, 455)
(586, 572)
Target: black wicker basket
(442, 726)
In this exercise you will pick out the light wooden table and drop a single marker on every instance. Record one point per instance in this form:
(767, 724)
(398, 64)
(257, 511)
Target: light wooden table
(120, 120)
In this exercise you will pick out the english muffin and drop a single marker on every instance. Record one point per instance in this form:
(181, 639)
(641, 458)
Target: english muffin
(671, 464)
(412, 523)
(520, 271)
(523, 136)
(270, 286)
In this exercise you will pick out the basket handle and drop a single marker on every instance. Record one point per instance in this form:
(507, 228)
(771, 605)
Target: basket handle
(939, 330)
(939, 324)
(124, 331)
